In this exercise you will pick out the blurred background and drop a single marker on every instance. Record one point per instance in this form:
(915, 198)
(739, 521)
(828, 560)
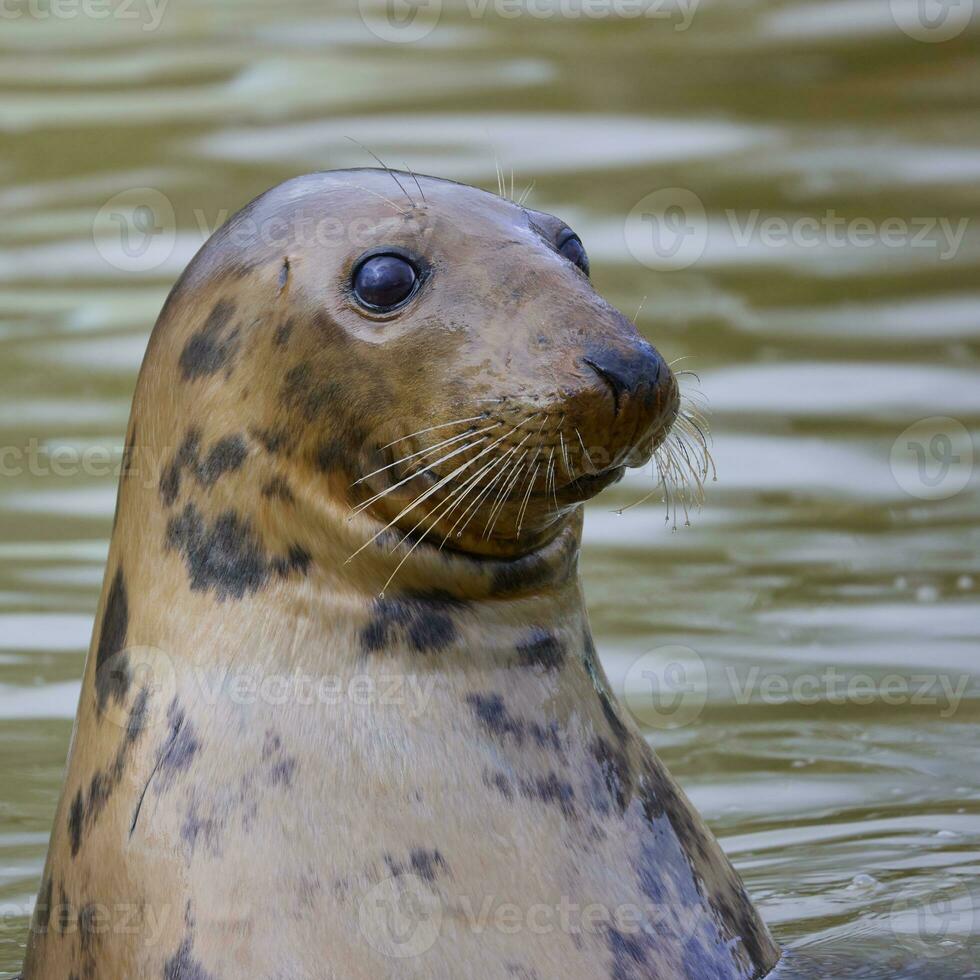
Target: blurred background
(788, 194)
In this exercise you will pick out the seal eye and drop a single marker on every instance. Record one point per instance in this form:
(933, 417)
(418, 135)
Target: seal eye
(382, 282)
(570, 245)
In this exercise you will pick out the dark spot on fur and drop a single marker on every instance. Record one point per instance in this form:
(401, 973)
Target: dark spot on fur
(281, 336)
(42, 911)
(609, 709)
(422, 621)
(499, 782)
(226, 456)
(88, 925)
(614, 771)
(493, 715)
(278, 489)
(178, 751)
(170, 484)
(65, 916)
(86, 810)
(226, 556)
(76, 818)
(312, 397)
(196, 824)
(111, 671)
(211, 348)
(273, 441)
(280, 767)
(334, 454)
(541, 649)
(549, 789)
(427, 864)
(629, 955)
(183, 965)
(674, 835)
(298, 560)
(283, 275)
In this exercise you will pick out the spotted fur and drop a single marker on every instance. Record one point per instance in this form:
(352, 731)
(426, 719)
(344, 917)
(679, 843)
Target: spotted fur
(313, 688)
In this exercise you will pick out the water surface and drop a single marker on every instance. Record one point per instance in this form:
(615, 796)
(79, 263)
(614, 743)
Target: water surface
(826, 598)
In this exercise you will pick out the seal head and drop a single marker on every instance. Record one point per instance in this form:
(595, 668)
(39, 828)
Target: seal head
(439, 358)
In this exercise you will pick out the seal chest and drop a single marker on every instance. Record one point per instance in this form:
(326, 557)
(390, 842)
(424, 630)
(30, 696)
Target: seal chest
(342, 715)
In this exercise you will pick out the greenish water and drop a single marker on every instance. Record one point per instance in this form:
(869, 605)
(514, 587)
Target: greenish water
(815, 171)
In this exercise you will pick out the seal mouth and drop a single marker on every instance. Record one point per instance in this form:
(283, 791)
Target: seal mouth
(589, 484)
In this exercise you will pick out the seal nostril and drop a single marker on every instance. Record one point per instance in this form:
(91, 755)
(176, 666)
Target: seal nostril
(617, 385)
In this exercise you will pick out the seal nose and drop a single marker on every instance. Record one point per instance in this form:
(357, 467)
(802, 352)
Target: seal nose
(628, 374)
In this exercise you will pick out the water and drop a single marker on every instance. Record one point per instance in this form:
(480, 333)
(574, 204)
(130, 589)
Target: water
(823, 712)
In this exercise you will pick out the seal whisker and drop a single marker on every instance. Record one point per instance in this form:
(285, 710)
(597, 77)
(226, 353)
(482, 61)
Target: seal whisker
(502, 462)
(415, 178)
(433, 489)
(527, 494)
(564, 450)
(636, 315)
(424, 452)
(512, 476)
(432, 428)
(437, 514)
(384, 493)
(381, 197)
(386, 168)
(471, 509)
(586, 452)
(525, 195)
